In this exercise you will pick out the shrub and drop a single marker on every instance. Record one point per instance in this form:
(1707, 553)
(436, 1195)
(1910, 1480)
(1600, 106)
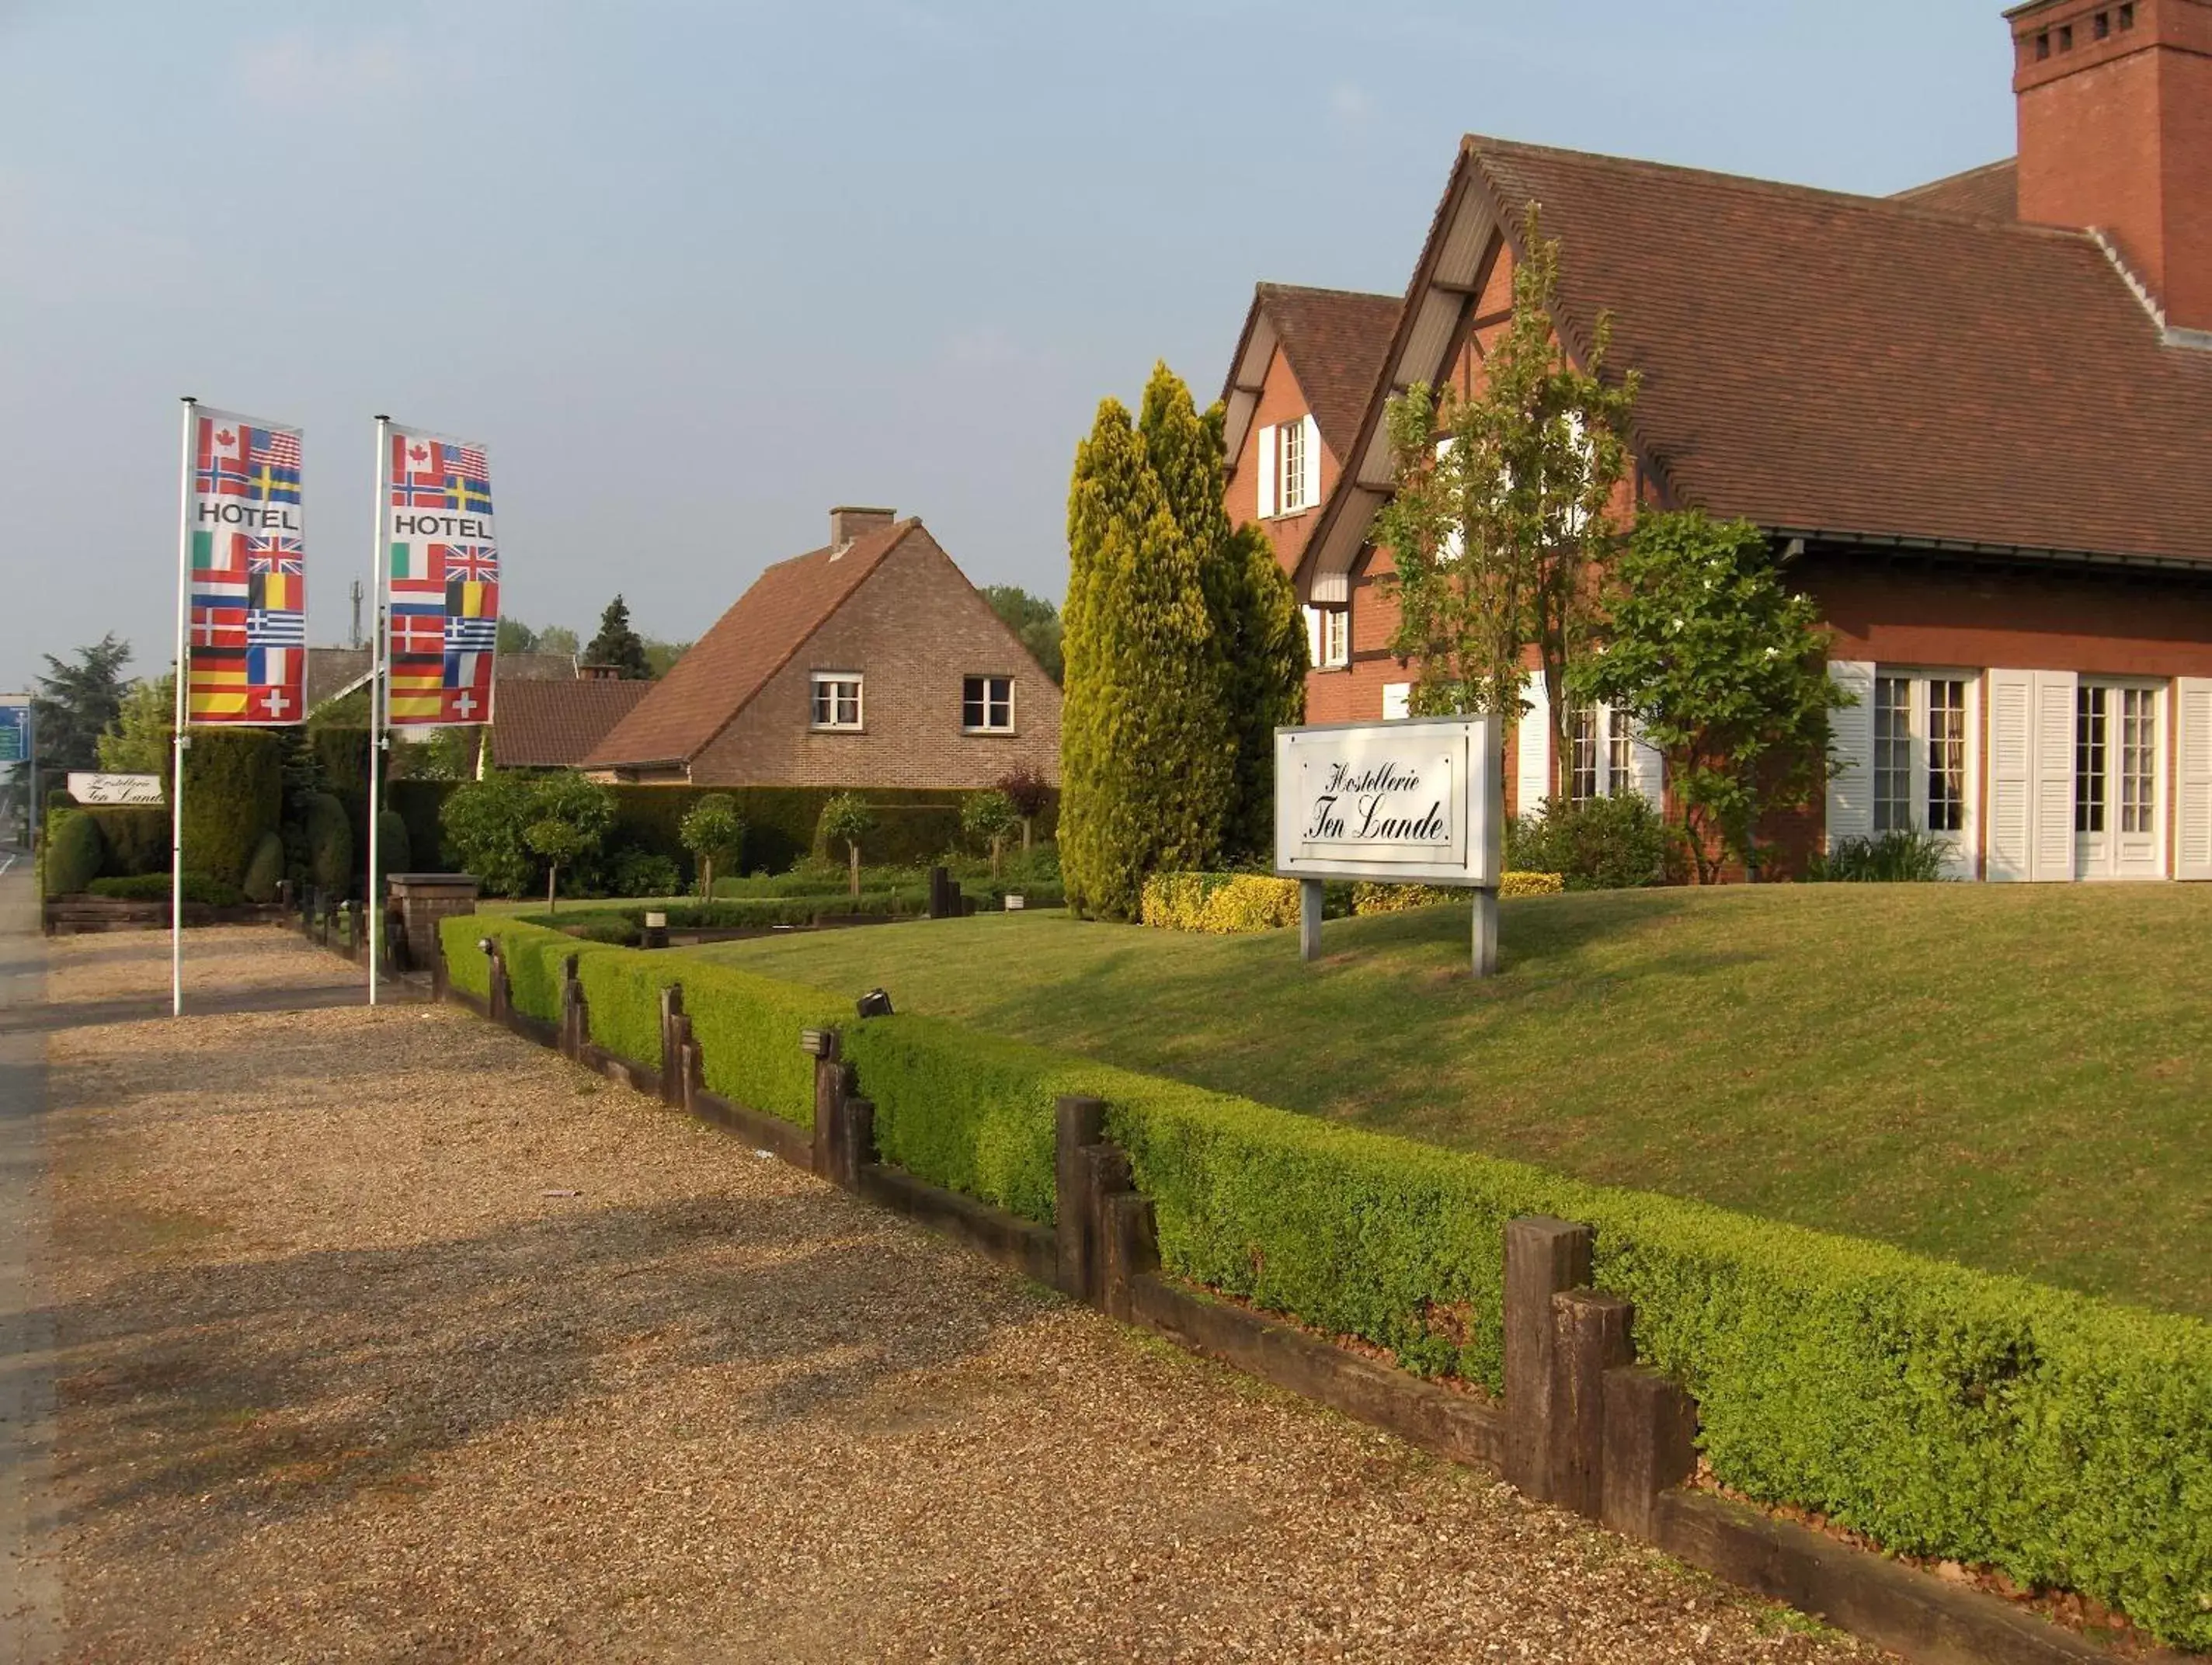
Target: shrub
(1942, 1412)
(1600, 844)
(846, 820)
(330, 847)
(266, 870)
(233, 792)
(1220, 903)
(641, 873)
(136, 837)
(74, 853)
(154, 887)
(392, 853)
(1904, 857)
(988, 817)
(714, 833)
(1368, 898)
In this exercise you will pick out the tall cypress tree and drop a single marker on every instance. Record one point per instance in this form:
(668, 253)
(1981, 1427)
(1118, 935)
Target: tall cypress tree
(1258, 650)
(1146, 769)
(618, 645)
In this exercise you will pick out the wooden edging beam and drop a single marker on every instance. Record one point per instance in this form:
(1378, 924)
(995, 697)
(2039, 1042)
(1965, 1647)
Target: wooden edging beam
(1581, 1425)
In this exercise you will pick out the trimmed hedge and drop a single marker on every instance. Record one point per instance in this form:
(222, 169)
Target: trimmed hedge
(913, 824)
(1942, 1410)
(1368, 899)
(233, 794)
(73, 853)
(136, 836)
(1223, 904)
(154, 887)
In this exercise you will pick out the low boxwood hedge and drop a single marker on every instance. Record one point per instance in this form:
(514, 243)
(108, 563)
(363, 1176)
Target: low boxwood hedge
(1942, 1410)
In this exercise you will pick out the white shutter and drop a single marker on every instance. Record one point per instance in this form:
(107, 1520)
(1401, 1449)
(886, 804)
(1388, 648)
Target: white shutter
(1647, 773)
(1313, 637)
(2192, 817)
(1532, 776)
(2012, 773)
(1850, 731)
(2053, 828)
(1312, 494)
(1397, 700)
(1267, 445)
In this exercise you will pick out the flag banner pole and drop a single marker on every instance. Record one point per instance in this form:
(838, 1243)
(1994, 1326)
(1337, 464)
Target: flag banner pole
(378, 704)
(178, 740)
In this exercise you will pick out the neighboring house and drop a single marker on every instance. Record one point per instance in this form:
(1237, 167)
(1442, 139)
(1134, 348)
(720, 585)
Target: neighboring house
(540, 724)
(334, 673)
(870, 662)
(1978, 416)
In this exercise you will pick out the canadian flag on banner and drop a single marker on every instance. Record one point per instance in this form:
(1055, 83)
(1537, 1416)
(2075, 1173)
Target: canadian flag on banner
(412, 455)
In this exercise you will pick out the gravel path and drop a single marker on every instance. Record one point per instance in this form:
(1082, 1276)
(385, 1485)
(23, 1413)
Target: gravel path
(388, 1335)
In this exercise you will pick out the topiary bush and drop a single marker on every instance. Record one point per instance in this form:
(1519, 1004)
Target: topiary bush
(74, 853)
(636, 873)
(1599, 844)
(330, 847)
(266, 870)
(136, 837)
(233, 794)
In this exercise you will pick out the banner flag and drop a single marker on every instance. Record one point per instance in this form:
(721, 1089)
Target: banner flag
(441, 577)
(247, 634)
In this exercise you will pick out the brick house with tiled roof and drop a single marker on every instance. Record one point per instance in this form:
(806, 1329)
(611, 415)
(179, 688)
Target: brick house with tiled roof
(870, 662)
(1977, 416)
(538, 723)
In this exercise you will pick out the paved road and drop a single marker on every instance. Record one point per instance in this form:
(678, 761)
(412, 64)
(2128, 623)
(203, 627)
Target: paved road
(29, 1592)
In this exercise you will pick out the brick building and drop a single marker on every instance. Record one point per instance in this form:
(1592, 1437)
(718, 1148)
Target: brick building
(1977, 415)
(870, 662)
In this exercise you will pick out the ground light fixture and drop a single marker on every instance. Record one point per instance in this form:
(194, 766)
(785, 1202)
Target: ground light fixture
(875, 1003)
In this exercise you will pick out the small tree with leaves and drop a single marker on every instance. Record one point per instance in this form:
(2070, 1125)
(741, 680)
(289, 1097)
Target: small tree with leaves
(714, 833)
(567, 816)
(1028, 791)
(847, 819)
(138, 741)
(1503, 508)
(618, 645)
(1722, 667)
(990, 816)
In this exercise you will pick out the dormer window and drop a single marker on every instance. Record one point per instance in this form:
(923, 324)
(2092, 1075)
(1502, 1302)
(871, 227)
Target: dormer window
(1290, 467)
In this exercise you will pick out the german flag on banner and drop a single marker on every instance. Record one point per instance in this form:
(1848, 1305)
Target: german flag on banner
(247, 629)
(443, 562)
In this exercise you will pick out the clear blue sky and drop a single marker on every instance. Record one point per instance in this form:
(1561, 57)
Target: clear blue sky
(695, 271)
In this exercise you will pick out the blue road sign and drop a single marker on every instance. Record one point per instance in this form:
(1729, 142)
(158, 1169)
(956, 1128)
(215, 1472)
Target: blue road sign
(14, 733)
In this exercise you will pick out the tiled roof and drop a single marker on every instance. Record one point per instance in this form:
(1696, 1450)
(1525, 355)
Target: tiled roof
(535, 667)
(1819, 361)
(331, 671)
(1992, 192)
(1335, 340)
(540, 723)
(711, 683)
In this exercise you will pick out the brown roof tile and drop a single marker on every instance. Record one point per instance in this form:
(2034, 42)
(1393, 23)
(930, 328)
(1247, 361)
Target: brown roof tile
(1335, 340)
(1819, 361)
(540, 723)
(1990, 192)
(711, 683)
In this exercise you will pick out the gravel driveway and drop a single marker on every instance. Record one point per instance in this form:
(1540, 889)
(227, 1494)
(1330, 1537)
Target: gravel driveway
(387, 1335)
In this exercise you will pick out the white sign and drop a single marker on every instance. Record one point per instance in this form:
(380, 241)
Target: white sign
(1414, 801)
(116, 788)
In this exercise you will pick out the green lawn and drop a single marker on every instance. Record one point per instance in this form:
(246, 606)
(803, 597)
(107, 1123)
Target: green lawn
(2013, 1077)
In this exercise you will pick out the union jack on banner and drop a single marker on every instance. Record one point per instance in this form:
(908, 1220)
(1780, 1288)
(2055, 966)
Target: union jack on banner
(473, 563)
(276, 555)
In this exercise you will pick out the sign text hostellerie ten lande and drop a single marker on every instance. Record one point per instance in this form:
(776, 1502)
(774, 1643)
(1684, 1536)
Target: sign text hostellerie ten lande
(1349, 806)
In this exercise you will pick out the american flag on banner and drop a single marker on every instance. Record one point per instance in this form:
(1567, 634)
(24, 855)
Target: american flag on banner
(246, 630)
(442, 566)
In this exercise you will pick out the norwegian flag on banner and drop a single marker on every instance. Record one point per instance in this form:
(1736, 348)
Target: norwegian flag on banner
(442, 566)
(246, 629)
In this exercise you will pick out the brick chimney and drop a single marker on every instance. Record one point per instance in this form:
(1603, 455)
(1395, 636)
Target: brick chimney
(2115, 106)
(849, 523)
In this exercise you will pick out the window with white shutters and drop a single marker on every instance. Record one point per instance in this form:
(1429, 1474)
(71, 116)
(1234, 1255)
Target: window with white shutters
(1335, 637)
(1604, 756)
(1291, 472)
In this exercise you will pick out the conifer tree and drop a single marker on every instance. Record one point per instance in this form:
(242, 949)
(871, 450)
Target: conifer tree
(1145, 764)
(1258, 650)
(618, 645)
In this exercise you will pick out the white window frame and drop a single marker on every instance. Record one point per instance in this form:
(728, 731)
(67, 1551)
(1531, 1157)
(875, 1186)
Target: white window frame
(987, 726)
(2106, 858)
(1293, 469)
(832, 681)
(1336, 638)
(1608, 735)
(1918, 757)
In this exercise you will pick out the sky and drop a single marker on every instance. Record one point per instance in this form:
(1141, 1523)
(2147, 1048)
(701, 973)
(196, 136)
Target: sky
(694, 272)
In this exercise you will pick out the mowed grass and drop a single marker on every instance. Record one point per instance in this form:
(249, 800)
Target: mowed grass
(2013, 1077)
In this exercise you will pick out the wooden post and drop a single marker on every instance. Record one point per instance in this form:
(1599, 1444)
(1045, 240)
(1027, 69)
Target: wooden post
(1105, 1173)
(1590, 1337)
(1650, 1446)
(496, 997)
(829, 1086)
(1486, 934)
(690, 1065)
(672, 1058)
(1309, 911)
(572, 994)
(853, 1139)
(1076, 1122)
(1542, 1257)
(1131, 1249)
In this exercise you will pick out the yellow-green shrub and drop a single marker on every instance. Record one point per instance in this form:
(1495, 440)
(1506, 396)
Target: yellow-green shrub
(1372, 898)
(1222, 904)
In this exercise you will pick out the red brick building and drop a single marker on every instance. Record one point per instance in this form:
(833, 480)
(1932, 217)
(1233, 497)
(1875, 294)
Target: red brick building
(870, 662)
(1978, 416)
